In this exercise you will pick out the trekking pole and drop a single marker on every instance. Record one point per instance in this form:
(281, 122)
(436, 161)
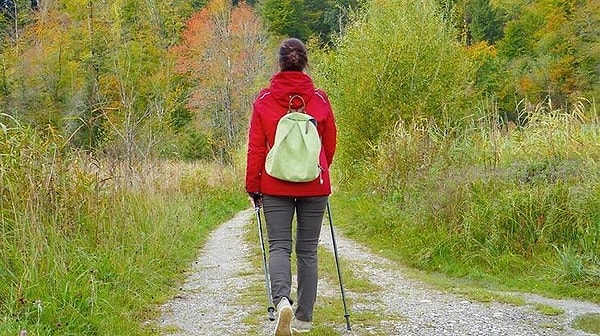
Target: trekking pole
(270, 308)
(337, 263)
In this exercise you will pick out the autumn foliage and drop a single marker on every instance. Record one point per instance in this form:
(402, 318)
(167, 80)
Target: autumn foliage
(222, 53)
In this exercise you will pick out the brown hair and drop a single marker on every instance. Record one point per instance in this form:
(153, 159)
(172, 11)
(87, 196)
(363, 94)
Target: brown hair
(292, 55)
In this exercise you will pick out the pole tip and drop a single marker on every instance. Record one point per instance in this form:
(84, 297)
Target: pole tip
(271, 311)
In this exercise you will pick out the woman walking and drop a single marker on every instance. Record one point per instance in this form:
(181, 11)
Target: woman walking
(281, 199)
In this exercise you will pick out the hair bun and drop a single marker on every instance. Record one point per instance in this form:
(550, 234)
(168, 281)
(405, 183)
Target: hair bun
(292, 55)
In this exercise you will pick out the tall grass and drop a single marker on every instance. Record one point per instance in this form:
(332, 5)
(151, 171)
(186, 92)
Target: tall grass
(90, 248)
(517, 205)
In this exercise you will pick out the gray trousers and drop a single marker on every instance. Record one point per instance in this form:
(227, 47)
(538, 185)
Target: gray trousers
(279, 211)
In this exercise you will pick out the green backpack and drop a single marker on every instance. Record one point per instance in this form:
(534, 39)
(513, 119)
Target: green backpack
(295, 154)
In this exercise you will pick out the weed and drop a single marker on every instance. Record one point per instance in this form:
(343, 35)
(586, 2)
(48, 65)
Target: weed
(588, 322)
(548, 310)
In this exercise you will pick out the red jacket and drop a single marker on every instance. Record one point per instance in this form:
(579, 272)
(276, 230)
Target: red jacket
(269, 106)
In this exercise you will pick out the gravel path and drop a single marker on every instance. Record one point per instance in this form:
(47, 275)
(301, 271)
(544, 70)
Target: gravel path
(207, 301)
(206, 304)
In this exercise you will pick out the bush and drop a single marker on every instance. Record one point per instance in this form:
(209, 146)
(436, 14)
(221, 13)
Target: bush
(398, 61)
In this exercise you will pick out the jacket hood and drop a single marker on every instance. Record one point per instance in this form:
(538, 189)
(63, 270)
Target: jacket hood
(285, 84)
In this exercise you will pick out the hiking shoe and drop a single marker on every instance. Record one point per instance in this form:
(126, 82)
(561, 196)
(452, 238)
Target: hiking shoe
(284, 318)
(299, 326)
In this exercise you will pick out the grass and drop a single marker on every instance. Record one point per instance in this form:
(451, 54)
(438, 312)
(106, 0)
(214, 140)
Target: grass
(506, 209)
(589, 323)
(93, 251)
(548, 310)
(90, 247)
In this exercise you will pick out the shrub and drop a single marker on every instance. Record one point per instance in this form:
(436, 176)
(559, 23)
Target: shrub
(398, 61)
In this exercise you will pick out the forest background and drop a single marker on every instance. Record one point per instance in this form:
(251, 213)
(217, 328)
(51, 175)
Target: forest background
(468, 142)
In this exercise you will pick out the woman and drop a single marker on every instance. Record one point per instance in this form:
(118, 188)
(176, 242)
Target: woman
(280, 199)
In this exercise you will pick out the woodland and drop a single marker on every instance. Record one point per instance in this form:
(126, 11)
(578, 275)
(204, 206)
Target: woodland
(175, 78)
(469, 142)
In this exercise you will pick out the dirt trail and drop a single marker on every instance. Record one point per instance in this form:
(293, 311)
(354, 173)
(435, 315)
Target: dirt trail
(209, 301)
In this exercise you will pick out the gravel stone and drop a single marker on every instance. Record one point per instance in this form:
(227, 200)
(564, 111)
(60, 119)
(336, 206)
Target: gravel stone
(431, 312)
(206, 304)
(208, 300)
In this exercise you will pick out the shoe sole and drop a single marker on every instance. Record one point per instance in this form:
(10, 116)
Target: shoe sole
(284, 322)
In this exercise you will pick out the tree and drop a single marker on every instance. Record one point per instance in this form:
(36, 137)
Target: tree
(239, 2)
(474, 20)
(304, 19)
(36, 67)
(550, 49)
(96, 72)
(14, 16)
(223, 54)
(485, 22)
(287, 18)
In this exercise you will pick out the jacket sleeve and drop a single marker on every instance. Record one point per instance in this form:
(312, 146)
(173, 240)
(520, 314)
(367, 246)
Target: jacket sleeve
(330, 132)
(257, 150)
